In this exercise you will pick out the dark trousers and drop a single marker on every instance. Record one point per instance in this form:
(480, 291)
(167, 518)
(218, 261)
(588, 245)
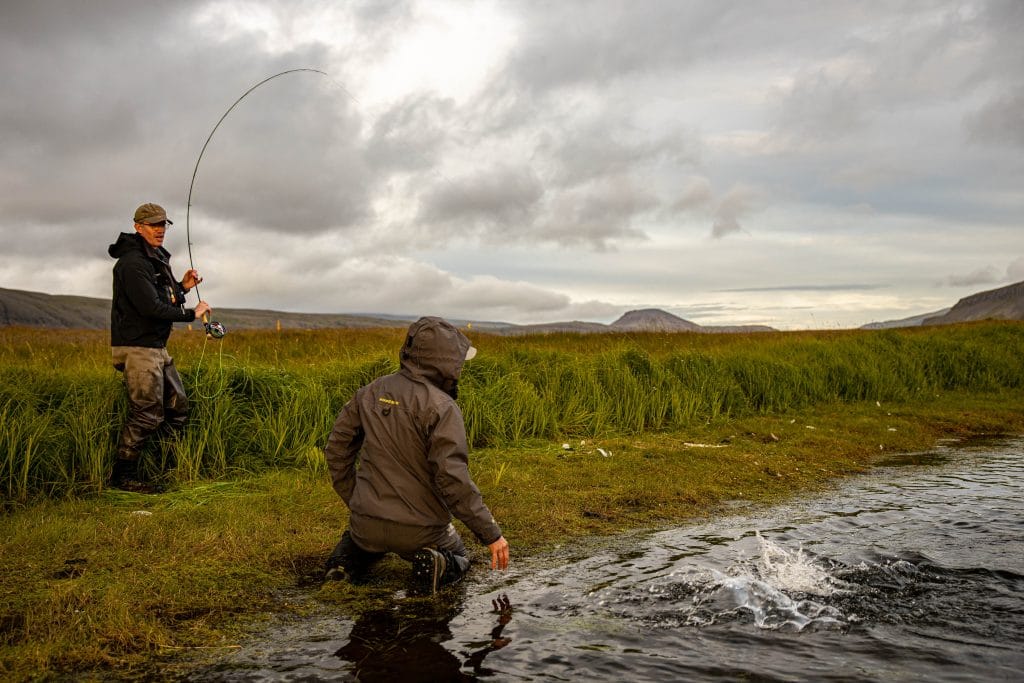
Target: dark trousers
(156, 396)
(368, 539)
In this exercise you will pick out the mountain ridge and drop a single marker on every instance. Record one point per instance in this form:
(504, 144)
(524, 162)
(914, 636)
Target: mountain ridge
(36, 309)
(639, 320)
(1001, 303)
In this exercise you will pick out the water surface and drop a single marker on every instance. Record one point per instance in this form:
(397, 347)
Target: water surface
(913, 572)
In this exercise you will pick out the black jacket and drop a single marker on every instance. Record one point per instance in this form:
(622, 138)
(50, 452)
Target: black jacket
(147, 299)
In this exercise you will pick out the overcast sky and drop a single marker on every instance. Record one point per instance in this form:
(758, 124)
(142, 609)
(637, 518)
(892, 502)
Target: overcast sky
(796, 164)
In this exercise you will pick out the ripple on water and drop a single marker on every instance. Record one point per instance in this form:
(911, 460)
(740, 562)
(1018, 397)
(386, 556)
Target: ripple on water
(913, 572)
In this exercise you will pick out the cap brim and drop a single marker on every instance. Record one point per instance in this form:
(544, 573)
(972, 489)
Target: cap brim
(471, 353)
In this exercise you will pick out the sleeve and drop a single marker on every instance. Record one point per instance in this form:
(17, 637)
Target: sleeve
(182, 293)
(448, 455)
(141, 291)
(343, 447)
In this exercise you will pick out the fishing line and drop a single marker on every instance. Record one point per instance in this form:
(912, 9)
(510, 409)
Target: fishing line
(220, 371)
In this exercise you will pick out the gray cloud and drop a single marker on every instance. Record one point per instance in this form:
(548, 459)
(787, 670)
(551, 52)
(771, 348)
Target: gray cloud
(597, 214)
(584, 150)
(563, 46)
(981, 276)
(1015, 271)
(1000, 121)
(736, 203)
(606, 41)
(695, 196)
(502, 299)
(698, 197)
(134, 105)
(597, 139)
(296, 168)
(879, 69)
(852, 287)
(820, 106)
(504, 199)
(411, 134)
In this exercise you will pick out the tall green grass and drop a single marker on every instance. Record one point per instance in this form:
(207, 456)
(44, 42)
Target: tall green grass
(267, 399)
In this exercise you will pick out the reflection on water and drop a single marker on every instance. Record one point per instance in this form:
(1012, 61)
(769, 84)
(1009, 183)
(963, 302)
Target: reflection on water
(383, 643)
(914, 572)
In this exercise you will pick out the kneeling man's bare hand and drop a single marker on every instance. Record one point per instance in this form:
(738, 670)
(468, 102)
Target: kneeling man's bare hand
(499, 554)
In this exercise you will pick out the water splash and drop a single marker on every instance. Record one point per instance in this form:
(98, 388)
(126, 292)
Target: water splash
(779, 589)
(793, 571)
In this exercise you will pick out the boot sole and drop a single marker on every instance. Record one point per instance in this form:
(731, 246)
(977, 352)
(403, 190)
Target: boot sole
(428, 567)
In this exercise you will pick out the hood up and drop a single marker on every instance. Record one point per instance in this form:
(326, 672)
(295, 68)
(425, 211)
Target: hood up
(435, 351)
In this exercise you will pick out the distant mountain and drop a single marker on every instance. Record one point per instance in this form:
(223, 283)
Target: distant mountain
(36, 309)
(912, 321)
(1004, 303)
(643, 320)
(657, 320)
(53, 310)
(653, 320)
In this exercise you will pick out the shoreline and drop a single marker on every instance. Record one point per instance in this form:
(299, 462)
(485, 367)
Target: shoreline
(121, 585)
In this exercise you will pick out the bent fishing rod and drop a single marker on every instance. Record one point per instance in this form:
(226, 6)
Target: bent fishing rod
(214, 329)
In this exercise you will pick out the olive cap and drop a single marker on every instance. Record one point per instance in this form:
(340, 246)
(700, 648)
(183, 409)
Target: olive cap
(148, 214)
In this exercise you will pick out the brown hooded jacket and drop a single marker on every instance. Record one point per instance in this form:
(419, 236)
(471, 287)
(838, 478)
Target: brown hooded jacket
(407, 433)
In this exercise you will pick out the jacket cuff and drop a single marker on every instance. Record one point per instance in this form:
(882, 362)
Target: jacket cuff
(492, 535)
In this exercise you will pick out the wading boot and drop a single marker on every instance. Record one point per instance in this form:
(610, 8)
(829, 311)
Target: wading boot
(125, 476)
(335, 572)
(434, 569)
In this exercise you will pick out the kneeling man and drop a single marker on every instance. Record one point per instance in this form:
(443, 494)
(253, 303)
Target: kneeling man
(407, 434)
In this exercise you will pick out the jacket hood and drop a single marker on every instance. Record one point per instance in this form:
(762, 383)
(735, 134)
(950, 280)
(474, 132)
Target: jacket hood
(128, 242)
(434, 351)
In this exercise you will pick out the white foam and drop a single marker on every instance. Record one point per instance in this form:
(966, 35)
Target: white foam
(774, 589)
(793, 571)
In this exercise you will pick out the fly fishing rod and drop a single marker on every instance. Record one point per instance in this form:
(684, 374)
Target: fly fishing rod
(215, 329)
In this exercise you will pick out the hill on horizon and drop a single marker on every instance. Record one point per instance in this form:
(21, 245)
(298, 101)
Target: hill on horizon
(1002, 303)
(642, 320)
(36, 309)
(62, 311)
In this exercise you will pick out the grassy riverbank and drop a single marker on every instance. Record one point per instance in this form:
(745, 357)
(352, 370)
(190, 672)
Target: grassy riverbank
(661, 429)
(94, 585)
(264, 400)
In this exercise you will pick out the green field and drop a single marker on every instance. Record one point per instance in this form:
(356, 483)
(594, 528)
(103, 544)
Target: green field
(264, 400)
(662, 428)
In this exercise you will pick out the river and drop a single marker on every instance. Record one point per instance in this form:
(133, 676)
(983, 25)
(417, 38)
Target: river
(913, 572)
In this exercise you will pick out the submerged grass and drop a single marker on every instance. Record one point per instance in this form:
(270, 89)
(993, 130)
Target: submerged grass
(659, 429)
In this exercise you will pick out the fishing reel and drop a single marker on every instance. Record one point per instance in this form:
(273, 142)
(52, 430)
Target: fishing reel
(214, 329)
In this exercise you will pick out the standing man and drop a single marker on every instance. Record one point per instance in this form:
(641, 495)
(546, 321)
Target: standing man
(147, 301)
(407, 434)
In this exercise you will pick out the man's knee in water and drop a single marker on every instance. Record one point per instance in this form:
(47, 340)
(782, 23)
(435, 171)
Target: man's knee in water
(348, 560)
